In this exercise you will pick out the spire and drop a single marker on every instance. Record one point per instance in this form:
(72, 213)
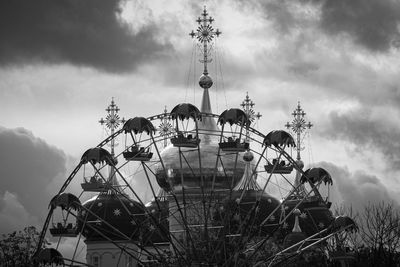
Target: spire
(247, 106)
(296, 226)
(204, 35)
(112, 121)
(165, 128)
(247, 182)
(299, 126)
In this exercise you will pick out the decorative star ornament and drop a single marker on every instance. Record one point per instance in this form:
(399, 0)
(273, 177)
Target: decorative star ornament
(303, 215)
(117, 212)
(205, 32)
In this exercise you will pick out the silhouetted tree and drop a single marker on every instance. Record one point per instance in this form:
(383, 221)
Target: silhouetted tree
(18, 247)
(377, 243)
(380, 234)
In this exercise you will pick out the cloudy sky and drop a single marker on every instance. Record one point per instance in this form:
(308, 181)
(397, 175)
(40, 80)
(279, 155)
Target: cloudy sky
(62, 61)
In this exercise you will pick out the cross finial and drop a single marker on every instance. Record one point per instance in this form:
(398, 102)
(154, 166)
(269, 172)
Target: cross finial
(247, 106)
(298, 126)
(165, 128)
(204, 34)
(112, 121)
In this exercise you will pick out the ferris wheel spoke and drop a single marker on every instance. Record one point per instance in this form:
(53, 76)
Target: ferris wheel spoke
(111, 137)
(151, 185)
(70, 177)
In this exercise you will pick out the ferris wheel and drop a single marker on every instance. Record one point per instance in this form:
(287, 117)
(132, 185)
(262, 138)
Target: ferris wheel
(213, 197)
(222, 193)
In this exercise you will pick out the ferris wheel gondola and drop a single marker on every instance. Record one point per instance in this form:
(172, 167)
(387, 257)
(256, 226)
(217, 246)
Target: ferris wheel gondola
(184, 138)
(234, 143)
(135, 126)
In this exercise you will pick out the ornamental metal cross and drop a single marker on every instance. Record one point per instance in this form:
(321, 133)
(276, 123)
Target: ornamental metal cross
(204, 34)
(165, 128)
(298, 126)
(247, 106)
(112, 121)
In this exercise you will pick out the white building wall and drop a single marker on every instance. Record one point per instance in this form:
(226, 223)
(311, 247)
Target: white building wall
(106, 254)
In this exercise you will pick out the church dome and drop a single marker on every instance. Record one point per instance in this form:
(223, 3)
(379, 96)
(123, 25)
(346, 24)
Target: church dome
(117, 210)
(158, 226)
(171, 179)
(250, 207)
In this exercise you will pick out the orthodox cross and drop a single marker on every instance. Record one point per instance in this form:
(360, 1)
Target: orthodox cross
(165, 128)
(204, 34)
(298, 126)
(112, 121)
(247, 106)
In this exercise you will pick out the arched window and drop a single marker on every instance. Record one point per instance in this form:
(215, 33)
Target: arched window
(96, 261)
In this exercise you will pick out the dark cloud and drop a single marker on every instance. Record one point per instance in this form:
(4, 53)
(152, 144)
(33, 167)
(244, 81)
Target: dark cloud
(85, 33)
(367, 132)
(303, 68)
(355, 189)
(279, 12)
(28, 170)
(372, 23)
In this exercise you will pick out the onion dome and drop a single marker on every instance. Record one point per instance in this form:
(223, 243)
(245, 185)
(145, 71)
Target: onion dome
(170, 179)
(110, 216)
(296, 235)
(248, 205)
(198, 166)
(158, 225)
(205, 81)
